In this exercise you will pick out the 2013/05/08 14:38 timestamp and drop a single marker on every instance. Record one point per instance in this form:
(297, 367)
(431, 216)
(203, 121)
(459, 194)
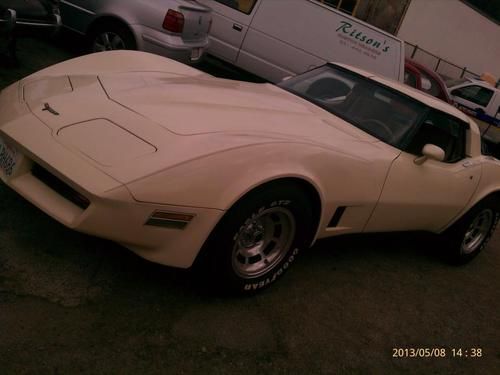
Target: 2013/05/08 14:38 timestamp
(437, 352)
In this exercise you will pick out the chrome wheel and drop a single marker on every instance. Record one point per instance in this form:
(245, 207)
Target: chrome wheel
(262, 242)
(108, 41)
(478, 231)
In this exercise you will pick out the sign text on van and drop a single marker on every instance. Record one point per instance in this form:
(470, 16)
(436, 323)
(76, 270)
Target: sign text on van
(347, 28)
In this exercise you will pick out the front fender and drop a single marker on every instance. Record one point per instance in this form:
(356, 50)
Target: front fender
(220, 180)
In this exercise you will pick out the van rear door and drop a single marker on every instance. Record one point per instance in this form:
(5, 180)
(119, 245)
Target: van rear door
(231, 19)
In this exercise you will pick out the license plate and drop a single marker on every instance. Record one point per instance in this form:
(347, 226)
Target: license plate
(8, 158)
(195, 54)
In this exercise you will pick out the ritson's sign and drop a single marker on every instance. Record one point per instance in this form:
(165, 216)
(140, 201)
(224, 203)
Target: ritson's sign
(347, 29)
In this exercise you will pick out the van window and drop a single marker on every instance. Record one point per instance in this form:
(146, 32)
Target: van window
(346, 6)
(244, 6)
(475, 94)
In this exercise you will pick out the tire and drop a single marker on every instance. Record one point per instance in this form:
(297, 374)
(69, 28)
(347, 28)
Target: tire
(111, 36)
(257, 240)
(471, 234)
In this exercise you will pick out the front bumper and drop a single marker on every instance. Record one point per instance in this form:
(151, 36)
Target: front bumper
(109, 211)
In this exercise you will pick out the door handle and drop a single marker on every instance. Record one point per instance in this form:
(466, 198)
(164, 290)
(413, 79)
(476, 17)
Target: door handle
(468, 163)
(237, 27)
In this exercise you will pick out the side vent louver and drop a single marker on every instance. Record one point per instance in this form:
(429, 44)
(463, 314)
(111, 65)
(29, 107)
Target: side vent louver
(336, 217)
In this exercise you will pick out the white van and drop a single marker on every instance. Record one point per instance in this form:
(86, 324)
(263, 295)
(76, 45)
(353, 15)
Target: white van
(278, 38)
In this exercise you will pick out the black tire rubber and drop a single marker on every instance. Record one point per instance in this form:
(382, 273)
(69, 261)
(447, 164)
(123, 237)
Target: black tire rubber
(115, 27)
(455, 235)
(214, 265)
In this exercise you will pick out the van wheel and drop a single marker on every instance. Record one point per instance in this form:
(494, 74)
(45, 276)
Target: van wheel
(257, 240)
(471, 234)
(110, 37)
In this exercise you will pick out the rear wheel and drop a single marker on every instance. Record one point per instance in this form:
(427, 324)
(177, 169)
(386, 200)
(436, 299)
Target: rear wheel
(472, 233)
(111, 36)
(257, 240)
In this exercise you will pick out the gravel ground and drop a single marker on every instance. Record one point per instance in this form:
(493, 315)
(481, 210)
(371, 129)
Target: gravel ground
(71, 303)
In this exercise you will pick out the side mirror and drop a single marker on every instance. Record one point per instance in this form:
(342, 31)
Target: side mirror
(432, 152)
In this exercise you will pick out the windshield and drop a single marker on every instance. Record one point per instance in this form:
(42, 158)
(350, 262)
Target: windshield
(376, 109)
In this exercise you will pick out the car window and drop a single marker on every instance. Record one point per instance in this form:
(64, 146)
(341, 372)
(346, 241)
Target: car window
(431, 86)
(244, 6)
(410, 79)
(441, 130)
(475, 94)
(385, 113)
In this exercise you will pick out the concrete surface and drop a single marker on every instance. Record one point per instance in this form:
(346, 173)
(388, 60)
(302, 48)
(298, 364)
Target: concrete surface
(72, 304)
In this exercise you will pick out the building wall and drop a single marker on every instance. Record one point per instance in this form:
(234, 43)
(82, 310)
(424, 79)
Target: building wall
(384, 14)
(453, 31)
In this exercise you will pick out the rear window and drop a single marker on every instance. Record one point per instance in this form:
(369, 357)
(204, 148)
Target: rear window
(430, 85)
(410, 79)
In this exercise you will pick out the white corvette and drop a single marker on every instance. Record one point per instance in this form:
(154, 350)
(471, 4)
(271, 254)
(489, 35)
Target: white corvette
(186, 169)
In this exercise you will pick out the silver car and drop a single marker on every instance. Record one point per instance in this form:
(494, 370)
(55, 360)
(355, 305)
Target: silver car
(173, 28)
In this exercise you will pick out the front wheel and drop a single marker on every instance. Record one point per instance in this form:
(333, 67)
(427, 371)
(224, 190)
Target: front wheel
(472, 233)
(257, 240)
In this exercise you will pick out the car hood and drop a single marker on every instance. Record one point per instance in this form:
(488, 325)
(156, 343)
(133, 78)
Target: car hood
(134, 124)
(203, 104)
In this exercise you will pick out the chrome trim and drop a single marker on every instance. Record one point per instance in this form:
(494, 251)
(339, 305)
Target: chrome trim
(77, 7)
(169, 223)
(37, 24)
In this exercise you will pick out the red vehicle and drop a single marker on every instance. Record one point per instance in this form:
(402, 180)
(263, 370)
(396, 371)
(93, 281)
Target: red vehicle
(426, 80)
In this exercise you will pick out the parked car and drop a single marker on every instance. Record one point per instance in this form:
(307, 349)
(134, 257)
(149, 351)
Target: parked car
(477, 98)
(235, 178)
(480, 100)
(173, 28)
(27, 18)
(426, 80)
(275, 39)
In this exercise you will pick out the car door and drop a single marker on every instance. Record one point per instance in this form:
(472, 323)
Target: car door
(430, 195)
(230, 22)
(78, 14)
